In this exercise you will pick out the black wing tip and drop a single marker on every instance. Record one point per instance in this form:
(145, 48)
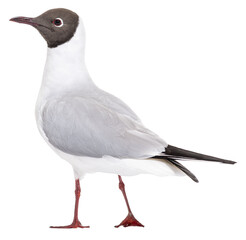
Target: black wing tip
(229, 162)
(182, 153)
(182, 168)
(193, 177)
(195, 180)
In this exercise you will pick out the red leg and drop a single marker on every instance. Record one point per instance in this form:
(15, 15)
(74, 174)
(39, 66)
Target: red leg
(76, 223)
(130, 220)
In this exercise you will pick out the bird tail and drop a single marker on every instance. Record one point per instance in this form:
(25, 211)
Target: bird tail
(179, 153)
(178, 165)
(172, 153)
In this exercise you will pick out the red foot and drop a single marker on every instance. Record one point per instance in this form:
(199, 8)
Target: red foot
(75, 224)
(130, 220)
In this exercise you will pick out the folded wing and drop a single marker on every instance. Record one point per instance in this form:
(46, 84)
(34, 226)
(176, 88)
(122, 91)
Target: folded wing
(85, 127)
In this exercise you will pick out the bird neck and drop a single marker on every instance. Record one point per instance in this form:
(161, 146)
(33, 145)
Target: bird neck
(65, 69)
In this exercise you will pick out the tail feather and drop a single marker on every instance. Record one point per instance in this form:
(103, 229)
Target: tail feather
(183, 169)
(179, 153)
(172, 153)
(178, 165)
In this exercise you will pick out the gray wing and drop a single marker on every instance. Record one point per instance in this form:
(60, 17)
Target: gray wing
(114, 103)
(85, 127)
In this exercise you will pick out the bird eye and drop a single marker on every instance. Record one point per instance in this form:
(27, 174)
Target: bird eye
(58, 22)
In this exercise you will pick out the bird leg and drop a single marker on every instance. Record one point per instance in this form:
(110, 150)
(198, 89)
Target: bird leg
(130, 220)
(76, 223)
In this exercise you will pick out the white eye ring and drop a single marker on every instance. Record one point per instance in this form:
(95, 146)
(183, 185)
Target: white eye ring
(60, 21)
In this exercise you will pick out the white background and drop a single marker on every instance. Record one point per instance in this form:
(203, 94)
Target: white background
(181, 66)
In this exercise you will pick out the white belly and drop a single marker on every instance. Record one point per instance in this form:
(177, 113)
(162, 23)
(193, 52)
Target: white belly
(108, 164)
(124, 167)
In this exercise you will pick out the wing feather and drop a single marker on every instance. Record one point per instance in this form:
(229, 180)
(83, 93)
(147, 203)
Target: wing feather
(86, 127)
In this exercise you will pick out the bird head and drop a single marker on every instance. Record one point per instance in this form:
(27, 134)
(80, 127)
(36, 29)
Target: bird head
(57, 26)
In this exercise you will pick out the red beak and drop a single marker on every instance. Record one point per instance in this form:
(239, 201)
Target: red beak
(24, 20)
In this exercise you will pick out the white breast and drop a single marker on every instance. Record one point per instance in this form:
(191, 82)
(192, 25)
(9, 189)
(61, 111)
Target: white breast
(65, 74)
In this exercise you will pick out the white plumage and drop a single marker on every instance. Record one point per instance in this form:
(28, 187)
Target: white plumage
(91, 129)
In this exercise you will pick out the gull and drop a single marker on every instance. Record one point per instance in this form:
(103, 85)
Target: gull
(91, 129)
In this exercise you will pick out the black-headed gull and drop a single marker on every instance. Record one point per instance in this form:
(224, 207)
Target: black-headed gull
(90, 128)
